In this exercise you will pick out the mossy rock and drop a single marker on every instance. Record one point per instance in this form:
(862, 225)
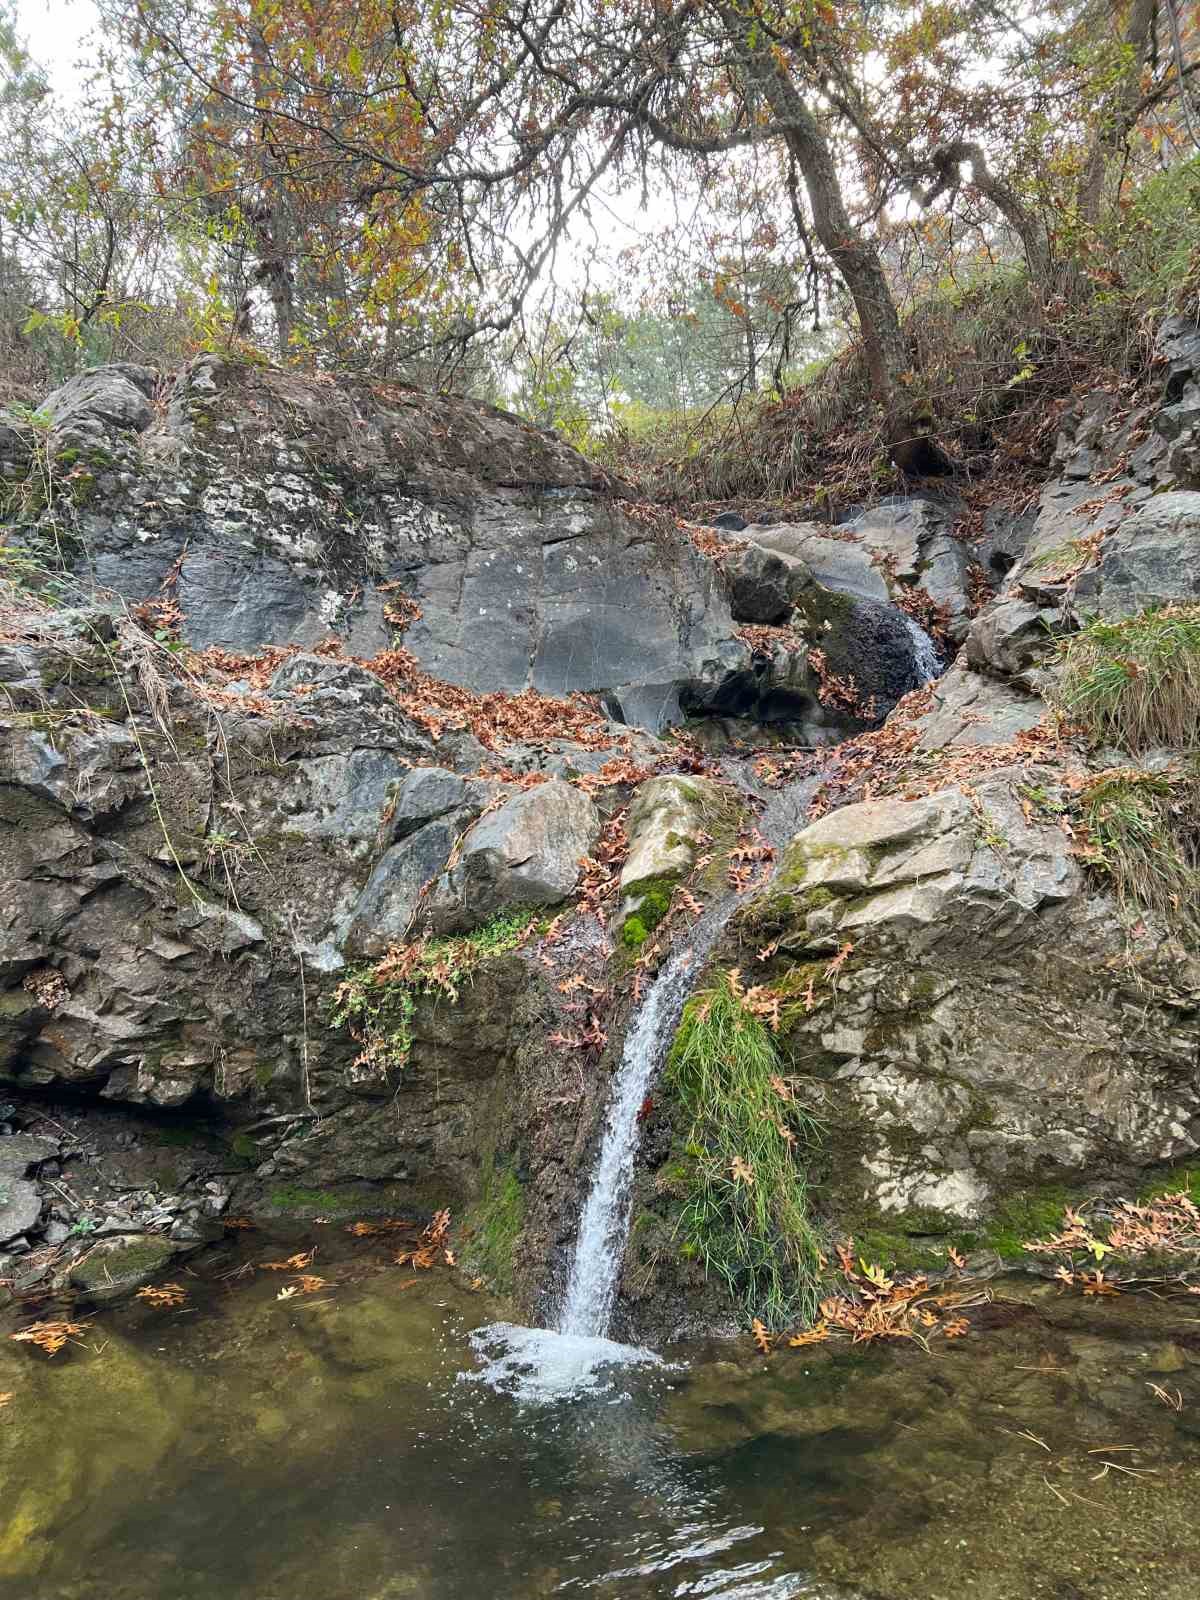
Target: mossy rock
(113, 1270)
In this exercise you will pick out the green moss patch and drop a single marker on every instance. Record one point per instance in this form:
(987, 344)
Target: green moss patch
(493, 1226)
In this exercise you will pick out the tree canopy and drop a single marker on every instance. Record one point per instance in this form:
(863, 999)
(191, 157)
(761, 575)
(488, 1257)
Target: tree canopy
(393, 184)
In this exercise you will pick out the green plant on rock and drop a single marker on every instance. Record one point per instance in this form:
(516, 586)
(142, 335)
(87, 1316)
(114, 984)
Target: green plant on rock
(377, 1002)
(1142, 832)
(494, 1225)
(744, 1199)
(1136, 683)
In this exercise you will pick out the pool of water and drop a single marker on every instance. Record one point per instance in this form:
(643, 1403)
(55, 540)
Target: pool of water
(384, 1438)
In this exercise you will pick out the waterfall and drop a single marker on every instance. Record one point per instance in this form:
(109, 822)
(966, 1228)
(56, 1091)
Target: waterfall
(604, 1223)
(927, 659)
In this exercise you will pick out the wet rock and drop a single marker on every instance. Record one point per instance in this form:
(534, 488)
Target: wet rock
(763, 584)
(114, 1268)
(898, 543)
(665, 821)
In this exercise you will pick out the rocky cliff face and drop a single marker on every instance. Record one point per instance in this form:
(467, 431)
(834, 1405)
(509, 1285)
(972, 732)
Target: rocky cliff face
(223, 809)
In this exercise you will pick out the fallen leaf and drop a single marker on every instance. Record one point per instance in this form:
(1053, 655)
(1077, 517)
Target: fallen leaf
(287, 1292)
(814, 1335)
(163, 1295)
(49, 1336)
(761, 1337)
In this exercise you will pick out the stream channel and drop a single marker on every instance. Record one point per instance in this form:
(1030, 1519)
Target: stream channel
(347, 1445)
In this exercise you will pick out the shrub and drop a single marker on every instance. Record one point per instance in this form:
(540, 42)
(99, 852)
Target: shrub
(1142, 831)
(1136, 683)
(744, 1202)
(377, 1002)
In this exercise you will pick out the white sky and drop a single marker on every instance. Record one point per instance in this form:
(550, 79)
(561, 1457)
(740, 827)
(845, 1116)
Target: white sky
(55, 32)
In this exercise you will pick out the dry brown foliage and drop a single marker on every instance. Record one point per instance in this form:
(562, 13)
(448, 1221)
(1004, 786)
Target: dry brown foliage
(164, 1296)
(50, 1336)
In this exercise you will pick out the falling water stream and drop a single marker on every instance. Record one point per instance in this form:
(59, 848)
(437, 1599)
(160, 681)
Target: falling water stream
(591, 1288)
(536, 1363)
(604, 1222)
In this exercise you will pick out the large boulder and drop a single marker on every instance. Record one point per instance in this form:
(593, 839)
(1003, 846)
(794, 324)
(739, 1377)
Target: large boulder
(279, 509)
(529, 852)
(1152, 559)
(974, 1032)
(900, 543)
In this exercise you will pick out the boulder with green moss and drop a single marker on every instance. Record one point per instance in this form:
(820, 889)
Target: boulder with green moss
(961, 999)
(664, 828)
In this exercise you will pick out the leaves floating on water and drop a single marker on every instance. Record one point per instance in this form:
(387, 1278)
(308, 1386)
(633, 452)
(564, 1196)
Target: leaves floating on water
(366, 1230)
(163, 1295)
(761, 1337)
(238, 1224)
(296, 1263)
(6, 1398)
(430, 1246)
(288, 1292)
(50, 1336)
(309, 1283)
(1096, 1283)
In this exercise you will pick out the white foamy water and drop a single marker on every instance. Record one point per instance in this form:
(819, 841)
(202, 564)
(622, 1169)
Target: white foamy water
(592, 1286)
(928, 660)
(539, 1366)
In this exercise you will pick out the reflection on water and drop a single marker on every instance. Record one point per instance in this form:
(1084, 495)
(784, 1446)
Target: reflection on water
(248, 1449)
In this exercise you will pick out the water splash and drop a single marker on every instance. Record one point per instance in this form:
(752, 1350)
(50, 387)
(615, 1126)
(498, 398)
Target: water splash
(538, 1366)
(927, 658)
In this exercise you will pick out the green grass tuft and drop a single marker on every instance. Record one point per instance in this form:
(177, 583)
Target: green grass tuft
(1136, 683)
(1142, 832)
(744, 1200)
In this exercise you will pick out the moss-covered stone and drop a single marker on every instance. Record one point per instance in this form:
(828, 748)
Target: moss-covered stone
(112, 1271)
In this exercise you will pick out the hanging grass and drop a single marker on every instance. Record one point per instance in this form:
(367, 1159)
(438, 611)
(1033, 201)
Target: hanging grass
(745, 1212)
(1136, 683)
(1143, 834)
